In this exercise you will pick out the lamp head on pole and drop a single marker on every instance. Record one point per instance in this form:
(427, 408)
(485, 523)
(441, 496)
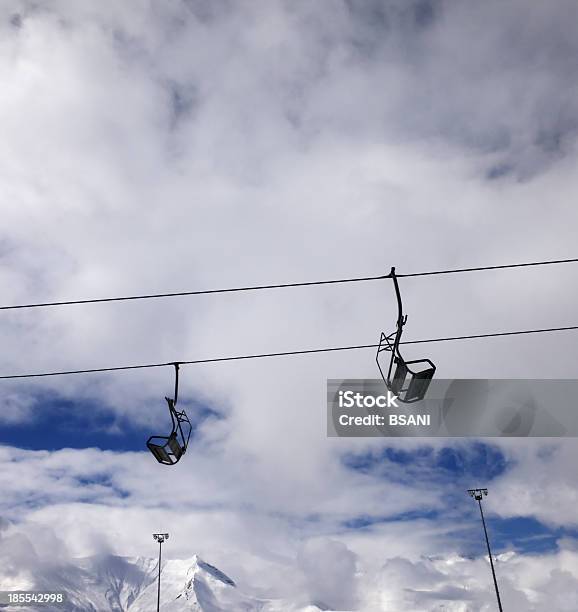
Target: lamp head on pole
(477, 494)
(160, 537)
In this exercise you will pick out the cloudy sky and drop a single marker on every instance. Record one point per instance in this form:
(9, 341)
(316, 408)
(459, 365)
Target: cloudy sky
(152, 147)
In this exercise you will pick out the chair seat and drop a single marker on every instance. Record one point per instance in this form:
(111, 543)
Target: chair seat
(167, 450)
(417, 379)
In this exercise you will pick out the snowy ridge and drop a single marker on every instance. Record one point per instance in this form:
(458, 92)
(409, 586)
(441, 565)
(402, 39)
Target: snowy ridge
(110, 583)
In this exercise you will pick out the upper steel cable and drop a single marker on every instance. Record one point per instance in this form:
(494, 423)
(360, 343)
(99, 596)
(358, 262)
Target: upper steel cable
(280, 286)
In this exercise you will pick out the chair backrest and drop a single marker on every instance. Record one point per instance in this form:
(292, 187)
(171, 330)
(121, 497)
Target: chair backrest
(397, 383)
(175, 447)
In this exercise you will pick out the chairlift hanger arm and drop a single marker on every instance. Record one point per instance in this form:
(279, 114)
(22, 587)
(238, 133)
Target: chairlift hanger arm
(393, 275)
(401, 319)
(176, 383)
(172, 402)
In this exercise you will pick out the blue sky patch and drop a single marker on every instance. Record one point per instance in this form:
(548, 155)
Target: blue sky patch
(364, 520)
(467, 463)
(527, 535)
(62, 423)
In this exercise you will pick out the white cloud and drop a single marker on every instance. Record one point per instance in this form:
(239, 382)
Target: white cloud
(151, 148)
(329, 568)
(541, 483)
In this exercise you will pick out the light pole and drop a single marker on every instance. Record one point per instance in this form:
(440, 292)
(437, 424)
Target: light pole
(160, 538)
(477, 494)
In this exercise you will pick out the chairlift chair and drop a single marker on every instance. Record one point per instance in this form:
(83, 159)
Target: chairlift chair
(169, 449)
(408, 380)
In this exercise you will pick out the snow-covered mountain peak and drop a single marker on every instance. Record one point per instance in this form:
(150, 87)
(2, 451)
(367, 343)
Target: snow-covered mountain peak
(200, 568)
(130, 584)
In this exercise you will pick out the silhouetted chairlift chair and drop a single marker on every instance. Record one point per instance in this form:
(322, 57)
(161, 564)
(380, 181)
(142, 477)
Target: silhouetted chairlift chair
(169, 449)
(409, 380)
